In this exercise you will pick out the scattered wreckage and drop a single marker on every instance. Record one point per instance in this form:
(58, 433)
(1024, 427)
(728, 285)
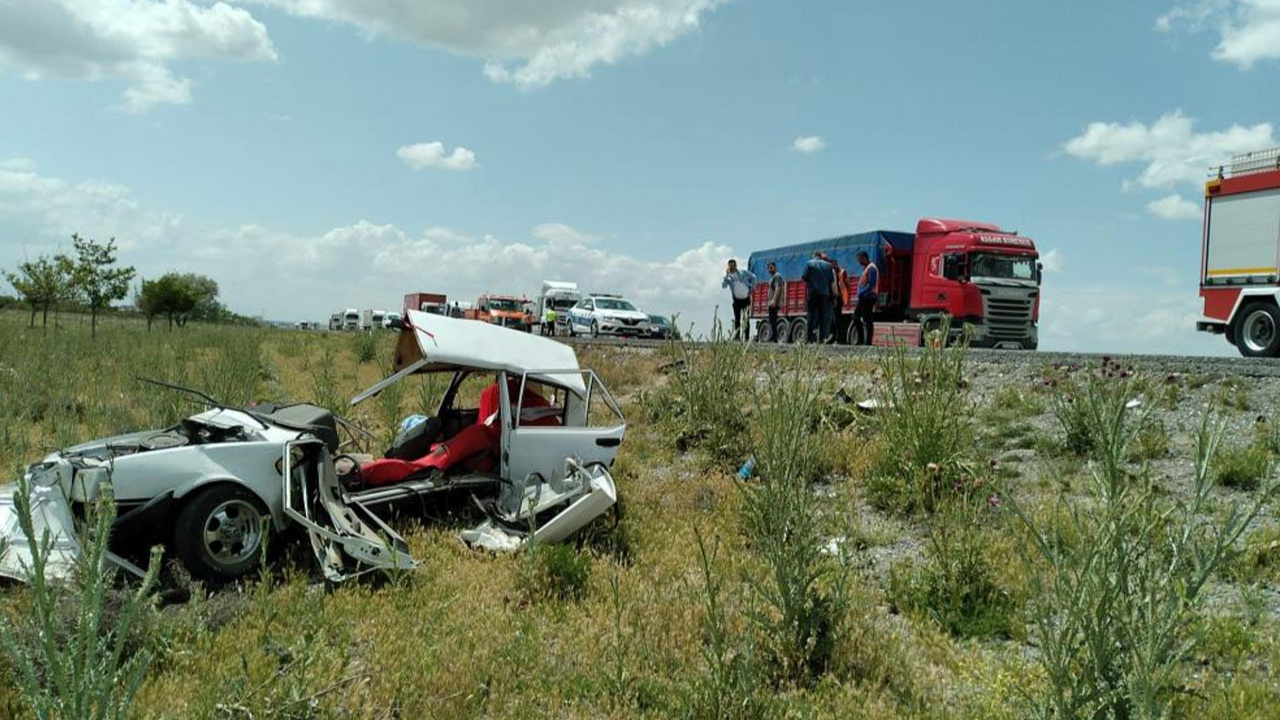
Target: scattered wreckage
(534, 456)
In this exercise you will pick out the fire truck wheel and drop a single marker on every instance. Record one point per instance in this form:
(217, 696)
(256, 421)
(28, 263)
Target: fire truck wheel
(1258, 334)
(799, 331)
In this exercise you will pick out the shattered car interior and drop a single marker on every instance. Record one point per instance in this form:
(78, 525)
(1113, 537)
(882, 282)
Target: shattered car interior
(522, 436)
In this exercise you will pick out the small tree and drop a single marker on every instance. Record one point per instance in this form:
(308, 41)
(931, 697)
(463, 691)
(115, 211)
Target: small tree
(43, 283)
(96, 278)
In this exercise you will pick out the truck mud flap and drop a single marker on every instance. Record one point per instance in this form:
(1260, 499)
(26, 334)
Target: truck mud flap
(348, 540)
(598, 494)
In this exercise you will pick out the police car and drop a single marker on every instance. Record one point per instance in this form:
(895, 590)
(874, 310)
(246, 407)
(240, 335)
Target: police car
(598, 314)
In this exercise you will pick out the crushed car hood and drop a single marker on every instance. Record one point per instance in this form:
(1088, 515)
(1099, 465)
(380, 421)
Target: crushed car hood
(50, 517)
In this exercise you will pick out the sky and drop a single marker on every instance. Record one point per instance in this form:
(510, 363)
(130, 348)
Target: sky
(312, 155)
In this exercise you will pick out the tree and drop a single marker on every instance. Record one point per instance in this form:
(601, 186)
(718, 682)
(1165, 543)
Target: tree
(43, 283)
(180, 297)
(96, 278)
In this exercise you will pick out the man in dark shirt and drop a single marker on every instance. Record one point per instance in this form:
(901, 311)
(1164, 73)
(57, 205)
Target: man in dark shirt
(820, 280)
(777, 292)
(868, 287)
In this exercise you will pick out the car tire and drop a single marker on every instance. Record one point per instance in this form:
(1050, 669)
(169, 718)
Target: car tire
(799, 331)
(595, 329)
(220, 532)
(1258, 330)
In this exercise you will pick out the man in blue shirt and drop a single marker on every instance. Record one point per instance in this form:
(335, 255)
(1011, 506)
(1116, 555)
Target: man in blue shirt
(868, 293)
(820, 280)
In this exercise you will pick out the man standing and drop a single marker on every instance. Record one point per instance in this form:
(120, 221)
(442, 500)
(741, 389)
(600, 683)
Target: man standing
(777, 289)
(819, 280)
(739, 283)
(840, 294)
(868, 293)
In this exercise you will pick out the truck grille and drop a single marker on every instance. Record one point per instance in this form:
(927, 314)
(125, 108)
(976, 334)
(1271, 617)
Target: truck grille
(1007, 318)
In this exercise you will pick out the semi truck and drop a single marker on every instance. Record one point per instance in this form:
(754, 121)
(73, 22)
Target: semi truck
(504, 310)
(351, 319)
(552, 309)
(1240, 254)
(372, 319)
(434, 303)
(973, 274)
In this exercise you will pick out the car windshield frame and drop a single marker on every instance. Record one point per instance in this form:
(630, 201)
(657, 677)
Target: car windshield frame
(615, 304)
(983, 265)
(504, 305)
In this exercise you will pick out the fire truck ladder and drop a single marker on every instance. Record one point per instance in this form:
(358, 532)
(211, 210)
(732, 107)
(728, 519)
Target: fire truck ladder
(1252, 162)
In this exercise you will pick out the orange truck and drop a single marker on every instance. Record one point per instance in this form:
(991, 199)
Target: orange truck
(505, 310)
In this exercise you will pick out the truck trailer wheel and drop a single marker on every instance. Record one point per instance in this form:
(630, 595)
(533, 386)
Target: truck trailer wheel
(1258, 331)
(799, 331)
(783, 331)
(764, 331)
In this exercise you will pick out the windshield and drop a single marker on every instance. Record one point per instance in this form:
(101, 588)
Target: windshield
(563, 303)
(612, 304)
(1003, 267)
(503, 304)
(658, 319)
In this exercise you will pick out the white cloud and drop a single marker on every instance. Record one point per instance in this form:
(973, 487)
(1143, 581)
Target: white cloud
(529, 44)
(363, 264)
(1170, 148)
(1174, 207)
(808, 144)
(1140, 318)
(1165, 274)
(1053, 261)
(134, 41)
(433, 155)
(1248, 30)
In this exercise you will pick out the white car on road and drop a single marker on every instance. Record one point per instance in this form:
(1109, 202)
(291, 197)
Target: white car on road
(599, 314)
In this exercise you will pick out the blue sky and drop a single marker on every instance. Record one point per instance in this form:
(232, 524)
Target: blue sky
(288, 148)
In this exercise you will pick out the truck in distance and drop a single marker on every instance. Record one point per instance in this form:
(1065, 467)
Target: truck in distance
(975, 274)
(1240, 254)
(335, 321)
(553, 305)
(434, 303)
(503, 310)
(351, 320)
(372, 319)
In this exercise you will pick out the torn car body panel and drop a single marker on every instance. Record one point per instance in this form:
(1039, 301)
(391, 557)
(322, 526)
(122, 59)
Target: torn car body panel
(51, 518)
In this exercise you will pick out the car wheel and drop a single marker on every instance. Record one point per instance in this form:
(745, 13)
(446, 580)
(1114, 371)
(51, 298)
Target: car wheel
(799, 331)
(1258, 334)
(220, 532)
(595, 329)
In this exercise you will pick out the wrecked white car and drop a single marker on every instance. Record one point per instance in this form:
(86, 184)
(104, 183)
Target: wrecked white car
(533, 454)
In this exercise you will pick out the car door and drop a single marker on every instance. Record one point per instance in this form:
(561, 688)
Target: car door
(589, 427)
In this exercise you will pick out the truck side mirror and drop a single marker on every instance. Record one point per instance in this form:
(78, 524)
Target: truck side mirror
(951, 267)
(1039, 272)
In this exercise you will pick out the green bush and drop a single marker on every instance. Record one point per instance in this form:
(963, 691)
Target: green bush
(957, 585)
(1243, 467)
(1114, 613)
(801, 590)
(926, 427)
(365, 347)
(557, 572)
(88, 666)
(704, 403)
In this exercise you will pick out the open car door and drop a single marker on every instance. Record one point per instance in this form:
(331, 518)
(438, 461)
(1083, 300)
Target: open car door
(347, 539)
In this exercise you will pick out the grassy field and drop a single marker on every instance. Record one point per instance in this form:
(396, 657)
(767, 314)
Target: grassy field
(996, 542)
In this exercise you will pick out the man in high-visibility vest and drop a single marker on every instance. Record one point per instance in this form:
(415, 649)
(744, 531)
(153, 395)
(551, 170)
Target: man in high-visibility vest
(868, 293)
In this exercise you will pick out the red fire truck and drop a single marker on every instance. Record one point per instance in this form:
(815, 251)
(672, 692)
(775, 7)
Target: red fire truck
(1240, 254)
(973, 273)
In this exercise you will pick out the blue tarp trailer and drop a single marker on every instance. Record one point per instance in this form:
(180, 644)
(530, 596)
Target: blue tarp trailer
(791, 259)
(889, 250)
